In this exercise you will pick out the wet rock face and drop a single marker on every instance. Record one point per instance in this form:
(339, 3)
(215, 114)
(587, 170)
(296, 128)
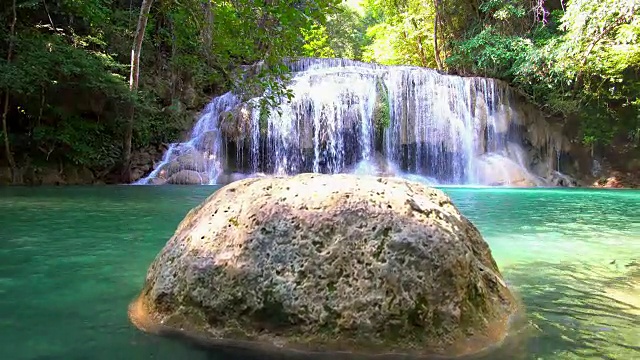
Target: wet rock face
(329, 262)
(559, 179)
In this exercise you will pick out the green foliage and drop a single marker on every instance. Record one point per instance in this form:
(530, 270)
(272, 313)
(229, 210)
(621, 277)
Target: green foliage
(491, 54)
(68, 79)
(317, 42)
(385, 46)
(341, 35)
(346, 32)
(399, 32)
(60, 90)
(581, 63)
(382, 111)
(595, 62)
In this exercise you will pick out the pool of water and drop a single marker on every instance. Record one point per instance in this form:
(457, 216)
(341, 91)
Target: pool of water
(71, 260)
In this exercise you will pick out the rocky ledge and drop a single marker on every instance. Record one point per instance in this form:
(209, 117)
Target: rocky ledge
(328, 263)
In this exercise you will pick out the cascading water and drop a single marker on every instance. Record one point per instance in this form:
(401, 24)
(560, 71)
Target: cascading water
(325, 128)
(348, 116)
(199, 160)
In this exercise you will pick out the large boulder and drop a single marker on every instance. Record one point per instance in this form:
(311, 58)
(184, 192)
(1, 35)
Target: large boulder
(332, 263)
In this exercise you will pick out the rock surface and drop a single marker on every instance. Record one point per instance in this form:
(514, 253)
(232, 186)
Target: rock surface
(188, 177)
(330, 263)
(48, 175)
(497, 170)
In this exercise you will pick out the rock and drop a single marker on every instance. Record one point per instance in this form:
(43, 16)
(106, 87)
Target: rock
(481, 110)
(77, 175)
(5, 175)
(142, 162)
(229, 178)
(188, 177)
(190, 95)
(170, 168)
(612, 182)
(328, 262)
(560, 179)
(207, 141)
(193, 160)
(50, 176)
(137, 173)
(634, 165)
(236, 124)
(498, 170)
(157, 181)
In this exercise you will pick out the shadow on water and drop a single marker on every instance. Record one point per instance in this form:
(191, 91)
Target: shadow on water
(580, 312)
(573, 310)
(512, 350)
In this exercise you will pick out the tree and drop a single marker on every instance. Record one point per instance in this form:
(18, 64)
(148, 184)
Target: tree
(70, 104)
(133, 83)
(5, 111)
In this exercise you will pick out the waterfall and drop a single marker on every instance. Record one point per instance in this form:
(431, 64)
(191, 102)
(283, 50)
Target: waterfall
(348, 116)
(201, 158)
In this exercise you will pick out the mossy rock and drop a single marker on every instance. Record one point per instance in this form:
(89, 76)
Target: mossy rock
(381, 110)
(329, 263)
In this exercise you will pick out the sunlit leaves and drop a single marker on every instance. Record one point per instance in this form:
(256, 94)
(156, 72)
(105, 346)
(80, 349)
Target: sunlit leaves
(384, 47)
(94, 12)
(317, 42)
(582, 62)
(400, 32)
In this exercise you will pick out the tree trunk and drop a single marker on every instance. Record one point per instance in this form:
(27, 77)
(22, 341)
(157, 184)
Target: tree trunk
(208, 31)
(419, 45)
(133, 85)
(5, 112)
(436, 19)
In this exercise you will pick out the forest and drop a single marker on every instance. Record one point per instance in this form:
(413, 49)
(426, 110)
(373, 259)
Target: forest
(91, 83)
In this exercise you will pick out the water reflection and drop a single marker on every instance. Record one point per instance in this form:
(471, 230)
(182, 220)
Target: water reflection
(575, 311)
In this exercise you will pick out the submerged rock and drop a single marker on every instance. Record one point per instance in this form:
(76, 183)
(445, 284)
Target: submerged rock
(328, 263)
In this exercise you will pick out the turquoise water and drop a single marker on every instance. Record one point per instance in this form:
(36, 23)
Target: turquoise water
(71, 260)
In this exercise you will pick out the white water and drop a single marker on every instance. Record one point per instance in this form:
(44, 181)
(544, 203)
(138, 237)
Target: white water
(445, 129)
(202, 155)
